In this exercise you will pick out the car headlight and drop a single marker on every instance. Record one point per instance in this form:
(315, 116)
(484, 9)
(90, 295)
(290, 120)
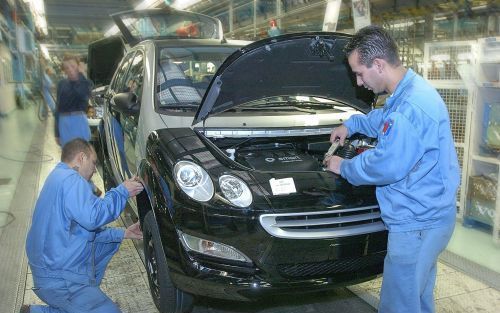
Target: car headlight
(235, 190)
(212, 248)
(194, 181)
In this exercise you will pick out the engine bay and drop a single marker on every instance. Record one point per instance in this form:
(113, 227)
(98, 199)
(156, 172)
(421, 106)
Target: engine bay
(302, 153)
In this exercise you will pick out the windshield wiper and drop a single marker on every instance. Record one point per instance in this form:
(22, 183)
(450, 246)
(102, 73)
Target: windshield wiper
(179, 106)
(299, 105)
(261, 107)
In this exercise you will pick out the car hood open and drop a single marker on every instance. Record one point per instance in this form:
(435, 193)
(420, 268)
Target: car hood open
(302, 64)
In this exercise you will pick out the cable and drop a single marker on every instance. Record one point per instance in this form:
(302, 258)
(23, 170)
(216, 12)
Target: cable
(9, 215)
(37, 152)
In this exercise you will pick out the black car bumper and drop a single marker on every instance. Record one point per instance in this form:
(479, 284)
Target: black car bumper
(279, 265)
(224, 284)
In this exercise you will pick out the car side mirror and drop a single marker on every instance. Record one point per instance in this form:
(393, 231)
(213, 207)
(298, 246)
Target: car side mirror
(126, 103)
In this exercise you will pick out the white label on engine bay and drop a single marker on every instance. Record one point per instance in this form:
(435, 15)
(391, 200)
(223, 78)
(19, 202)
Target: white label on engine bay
(282, 186)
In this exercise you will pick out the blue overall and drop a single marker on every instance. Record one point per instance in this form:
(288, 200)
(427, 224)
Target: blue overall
(414, 166)
(72, 103)
(68, 247)
(73, 126)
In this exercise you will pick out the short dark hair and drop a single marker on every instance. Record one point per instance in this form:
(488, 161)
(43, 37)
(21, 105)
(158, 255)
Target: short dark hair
(69, 57)
(75, 146)
(373, 42)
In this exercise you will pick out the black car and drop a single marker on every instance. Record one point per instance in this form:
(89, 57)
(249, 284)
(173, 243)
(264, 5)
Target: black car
(228, 140)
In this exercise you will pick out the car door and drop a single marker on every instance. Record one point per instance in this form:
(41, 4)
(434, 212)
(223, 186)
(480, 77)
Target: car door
(129, 122)
(113, 129)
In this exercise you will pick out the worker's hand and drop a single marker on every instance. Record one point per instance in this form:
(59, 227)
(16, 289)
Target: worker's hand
(82, 68)
(339, 133)
(133, 232)
(133, 186)
(333, 164)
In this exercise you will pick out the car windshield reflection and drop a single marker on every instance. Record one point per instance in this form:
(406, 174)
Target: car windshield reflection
(162, 25)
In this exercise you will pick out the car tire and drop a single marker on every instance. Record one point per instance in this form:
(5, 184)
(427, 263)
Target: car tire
(167, 297)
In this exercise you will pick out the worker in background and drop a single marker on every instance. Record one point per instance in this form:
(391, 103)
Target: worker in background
(68, 246)
(273, 30)
(414, 166)
(73, 94)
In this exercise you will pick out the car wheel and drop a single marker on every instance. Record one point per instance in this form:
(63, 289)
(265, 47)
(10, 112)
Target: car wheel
(167, 297)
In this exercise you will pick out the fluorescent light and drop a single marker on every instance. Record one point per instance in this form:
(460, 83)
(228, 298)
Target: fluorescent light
(440, 18)
(148, 4)
(37, 8)
(183, 4)
(403, 24)
(45, 51)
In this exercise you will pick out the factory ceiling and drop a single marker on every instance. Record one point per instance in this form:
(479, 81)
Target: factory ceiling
(74, 22)
(82, 21)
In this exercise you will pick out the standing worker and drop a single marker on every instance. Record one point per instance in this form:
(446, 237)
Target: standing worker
(68, 246)
(73, 94)
(273, 30)
(414, 166)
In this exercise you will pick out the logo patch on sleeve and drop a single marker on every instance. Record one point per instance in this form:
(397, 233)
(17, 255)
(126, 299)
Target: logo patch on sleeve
(387, 127)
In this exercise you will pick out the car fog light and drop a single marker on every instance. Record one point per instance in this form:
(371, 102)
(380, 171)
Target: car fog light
(235, 190)
(194, 181)
(212, 248)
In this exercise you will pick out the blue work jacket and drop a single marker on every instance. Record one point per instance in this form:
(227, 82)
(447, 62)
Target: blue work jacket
(73, 95)
(414, 164)
(67, 239)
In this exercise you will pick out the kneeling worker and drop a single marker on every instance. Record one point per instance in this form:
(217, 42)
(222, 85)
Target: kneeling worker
(68, 247)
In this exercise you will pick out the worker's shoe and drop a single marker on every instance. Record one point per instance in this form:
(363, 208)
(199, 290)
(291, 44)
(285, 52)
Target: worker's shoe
(24, 309)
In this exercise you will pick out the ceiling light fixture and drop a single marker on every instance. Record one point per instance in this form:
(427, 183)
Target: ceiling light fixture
(37, 8)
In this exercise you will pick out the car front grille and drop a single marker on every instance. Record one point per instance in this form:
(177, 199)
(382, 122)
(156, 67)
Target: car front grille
(327, 268)
(326, 224)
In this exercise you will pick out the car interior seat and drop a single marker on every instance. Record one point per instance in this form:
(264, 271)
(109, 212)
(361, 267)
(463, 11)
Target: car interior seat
(173, 87)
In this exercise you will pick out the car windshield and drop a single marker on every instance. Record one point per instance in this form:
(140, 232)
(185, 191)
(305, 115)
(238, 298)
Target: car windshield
(184, 73)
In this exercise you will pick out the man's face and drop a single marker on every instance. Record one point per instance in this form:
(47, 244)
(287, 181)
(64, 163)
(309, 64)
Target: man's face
(88, 165)
(70, 68)
(368, 77)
